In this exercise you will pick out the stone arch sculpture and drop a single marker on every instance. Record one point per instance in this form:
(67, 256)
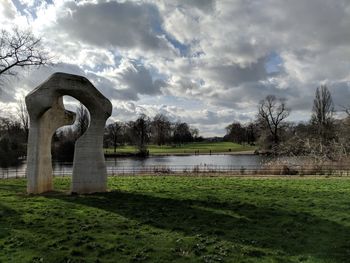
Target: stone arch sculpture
(47, 114)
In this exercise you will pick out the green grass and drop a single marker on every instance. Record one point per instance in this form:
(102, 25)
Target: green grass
(190, 148)
(179, 219)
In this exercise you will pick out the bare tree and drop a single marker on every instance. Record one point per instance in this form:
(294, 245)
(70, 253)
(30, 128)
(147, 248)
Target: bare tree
(140, 130)
(238, 133)
(182, 133)
(83, 119)
(161, 129)
(12, 142)
(194, 133)
(235, 132)
(322, 112)
(272, 112)
(114, 132)
(20, 49)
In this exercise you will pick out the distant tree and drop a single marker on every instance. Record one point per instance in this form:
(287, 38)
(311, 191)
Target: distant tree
(182, 133)
(20, 48)
(12, 128)
(251, 132)
(235, 132)
(83, 119)
(12, 142)
(322, 113)
(140, 130)
(114, 133)
(161, 129)
(271, 114)
(239, 133)
(63, 144)
(194, 134)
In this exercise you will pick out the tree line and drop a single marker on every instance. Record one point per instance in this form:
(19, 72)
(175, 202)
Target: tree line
(323, 136)
(143, 131)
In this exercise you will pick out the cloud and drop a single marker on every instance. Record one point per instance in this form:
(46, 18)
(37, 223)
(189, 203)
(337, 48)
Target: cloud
(7, 10)
(235, 40)
(124, 25)
(124, 83)
(236, 74)
(222, 56)
(139, 79)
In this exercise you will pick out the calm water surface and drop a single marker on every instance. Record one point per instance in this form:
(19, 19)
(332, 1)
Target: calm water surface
(176, 162)
(190, 160)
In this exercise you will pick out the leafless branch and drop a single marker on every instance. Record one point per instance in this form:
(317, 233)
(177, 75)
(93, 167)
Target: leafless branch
(20, 49)
(272, 112)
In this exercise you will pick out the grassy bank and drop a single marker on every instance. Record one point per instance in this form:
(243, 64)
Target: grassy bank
(190, 148)
(181, 219)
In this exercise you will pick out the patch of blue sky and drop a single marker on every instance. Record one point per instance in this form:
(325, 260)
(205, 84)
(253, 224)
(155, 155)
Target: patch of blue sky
(183, 49)
(117, 56)
(274, 63)
(158, 29)
(26, 10)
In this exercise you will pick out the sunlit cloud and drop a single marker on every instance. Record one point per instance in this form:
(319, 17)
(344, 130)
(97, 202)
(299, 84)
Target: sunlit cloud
(221, 57)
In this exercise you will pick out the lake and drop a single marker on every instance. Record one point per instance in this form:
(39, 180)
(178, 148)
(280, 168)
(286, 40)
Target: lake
(120, 165)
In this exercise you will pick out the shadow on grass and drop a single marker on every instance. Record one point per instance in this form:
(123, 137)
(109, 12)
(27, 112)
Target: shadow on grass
(13, 188)
(287, 232)
(6, 212)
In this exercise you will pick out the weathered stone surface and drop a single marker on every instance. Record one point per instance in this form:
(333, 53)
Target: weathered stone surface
(47, 113)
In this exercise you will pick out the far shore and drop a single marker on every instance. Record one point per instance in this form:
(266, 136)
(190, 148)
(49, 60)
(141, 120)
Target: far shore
(118, 154)
(196, 148)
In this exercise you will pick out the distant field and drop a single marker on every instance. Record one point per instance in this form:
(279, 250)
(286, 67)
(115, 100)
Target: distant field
(190, 148)
(179, 219)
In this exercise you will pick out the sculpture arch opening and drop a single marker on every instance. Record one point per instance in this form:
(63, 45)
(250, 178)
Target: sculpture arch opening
(47, 114)
(83, 117)
(63, 141)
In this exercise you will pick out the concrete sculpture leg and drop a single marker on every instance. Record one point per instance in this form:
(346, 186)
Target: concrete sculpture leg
(39, 170)
(47, 113)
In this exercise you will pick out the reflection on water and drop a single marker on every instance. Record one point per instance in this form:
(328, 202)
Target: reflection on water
(190, 160)
(179, 162)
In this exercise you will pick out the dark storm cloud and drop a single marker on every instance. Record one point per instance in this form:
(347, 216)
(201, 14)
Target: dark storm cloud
(204, 5)
(252, 92)
(233, 75)
(126, 25)
(139, 79)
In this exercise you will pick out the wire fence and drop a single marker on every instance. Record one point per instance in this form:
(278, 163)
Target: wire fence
(301, 170)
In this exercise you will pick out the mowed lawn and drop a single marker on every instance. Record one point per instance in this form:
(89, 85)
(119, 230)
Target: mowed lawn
(189, 148)
(179, 219)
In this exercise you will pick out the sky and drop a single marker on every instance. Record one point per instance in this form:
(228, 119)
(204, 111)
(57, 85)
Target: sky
(204, 62)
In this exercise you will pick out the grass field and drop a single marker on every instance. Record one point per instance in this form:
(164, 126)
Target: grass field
(190, 148)
(179, 219)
